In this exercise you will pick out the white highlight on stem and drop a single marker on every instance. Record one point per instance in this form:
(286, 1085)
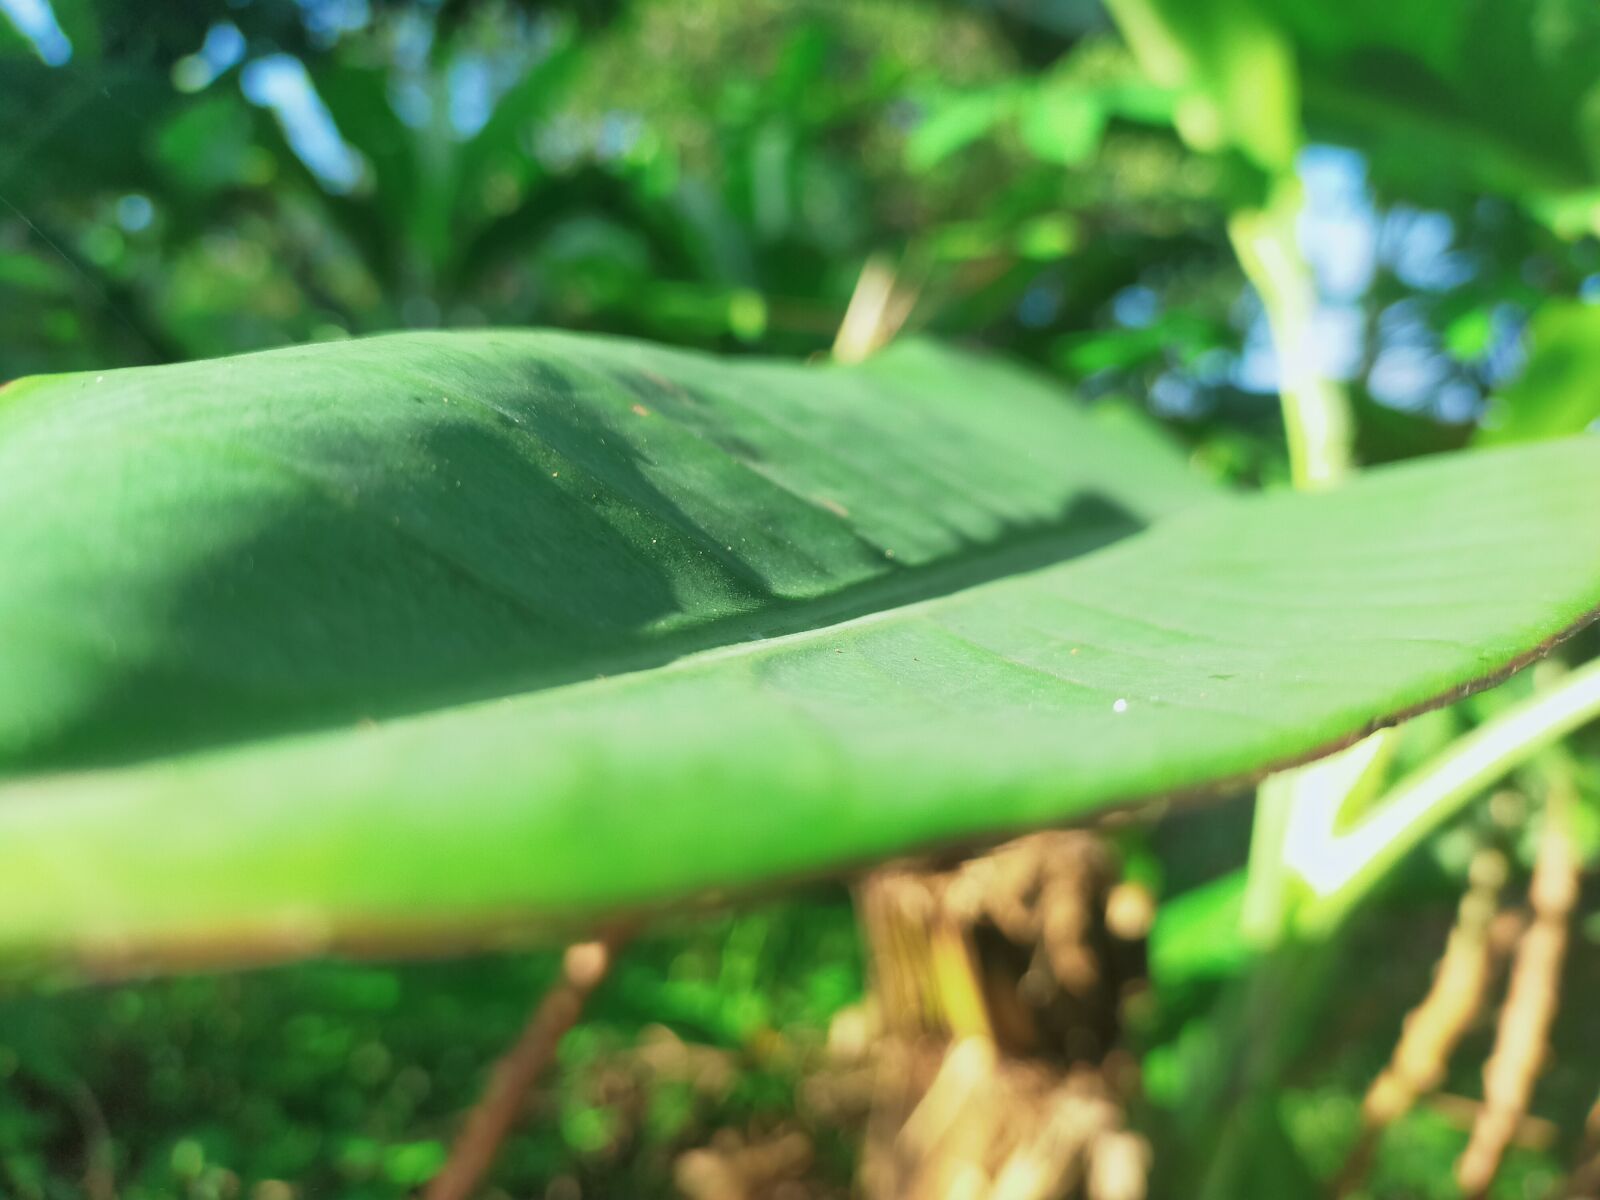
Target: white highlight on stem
(1342, 868)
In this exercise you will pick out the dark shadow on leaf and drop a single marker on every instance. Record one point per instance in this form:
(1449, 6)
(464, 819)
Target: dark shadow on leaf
(530, 548)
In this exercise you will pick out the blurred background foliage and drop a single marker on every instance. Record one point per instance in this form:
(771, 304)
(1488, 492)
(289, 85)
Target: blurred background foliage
(181, 179)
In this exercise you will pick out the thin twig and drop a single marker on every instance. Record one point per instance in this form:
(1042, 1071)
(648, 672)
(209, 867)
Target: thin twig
(1521, 1041)
(583, 966)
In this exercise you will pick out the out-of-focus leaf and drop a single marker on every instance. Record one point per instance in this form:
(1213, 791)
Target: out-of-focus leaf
(1179, 333)
(30, 273)
(209, 146)
(1197, 935)
(496, 166)
(1062, 123)
(80, 21)
(954, 121)
(1387, 434)
(1234, 68)
(724, 624)
(1559, 390)
(1469, 335)
(609, 262)
(1495, 95)
(1489, 96)
(404, 219)
(1264, 1159)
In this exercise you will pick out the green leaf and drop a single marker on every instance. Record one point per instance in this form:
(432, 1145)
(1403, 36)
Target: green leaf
(1197, 934)
(1234, 67)
(1062, 122)
(1434, 92)
(1493, 96)
(665, 627)
(1559, 390)
(954, 120)
(315, 536)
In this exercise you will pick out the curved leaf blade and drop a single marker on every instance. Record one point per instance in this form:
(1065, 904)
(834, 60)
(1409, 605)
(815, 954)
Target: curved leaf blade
(232, 549)
(1224, 641)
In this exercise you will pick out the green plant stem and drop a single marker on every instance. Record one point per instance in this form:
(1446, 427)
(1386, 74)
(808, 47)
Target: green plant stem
(1318, 429)
(1269, 882)
(1354, 863)
(1316, 412)
(1288, 805)
(1268, 1019)
(1317, 426)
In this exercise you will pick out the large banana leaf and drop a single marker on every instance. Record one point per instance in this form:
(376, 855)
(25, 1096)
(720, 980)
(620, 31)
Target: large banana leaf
(446, 635)
(231, 549)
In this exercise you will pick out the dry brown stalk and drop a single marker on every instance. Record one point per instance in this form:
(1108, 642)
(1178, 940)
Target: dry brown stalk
(1430, 1033)
(1521, 1039)
(1531, 1133)
(733, 1168)
(878, 307)
(998, 983)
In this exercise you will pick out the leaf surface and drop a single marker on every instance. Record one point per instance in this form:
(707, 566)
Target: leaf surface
(634, 625)
(232, 549)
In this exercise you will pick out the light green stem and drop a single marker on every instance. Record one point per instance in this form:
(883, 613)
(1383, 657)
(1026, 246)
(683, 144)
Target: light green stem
(1287, 805)
(1350, 865)
(1316, 412)
(1317, 426)
(1269, 882)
